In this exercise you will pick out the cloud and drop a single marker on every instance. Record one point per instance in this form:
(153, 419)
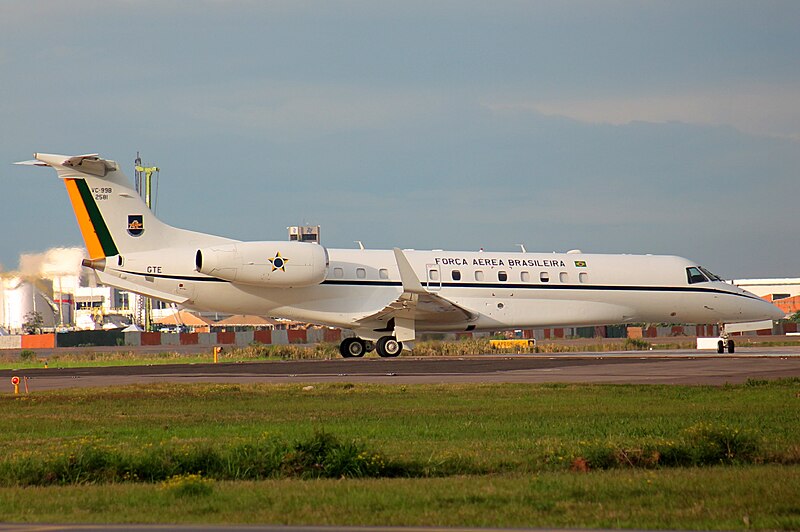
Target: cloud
(772, 110)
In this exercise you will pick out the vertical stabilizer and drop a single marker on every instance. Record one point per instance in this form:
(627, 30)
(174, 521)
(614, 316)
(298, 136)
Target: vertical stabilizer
(112, 217)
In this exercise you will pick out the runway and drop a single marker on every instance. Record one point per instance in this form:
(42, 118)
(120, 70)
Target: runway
(665, 367)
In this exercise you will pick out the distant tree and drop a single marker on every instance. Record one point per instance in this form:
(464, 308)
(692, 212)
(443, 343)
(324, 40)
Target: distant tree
(33, 322)
(795, 317)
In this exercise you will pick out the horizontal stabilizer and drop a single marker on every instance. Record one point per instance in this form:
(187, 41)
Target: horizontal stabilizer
(111, 280)
(32, 162)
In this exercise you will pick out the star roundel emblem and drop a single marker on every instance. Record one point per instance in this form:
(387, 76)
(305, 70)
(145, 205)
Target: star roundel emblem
(278, 262)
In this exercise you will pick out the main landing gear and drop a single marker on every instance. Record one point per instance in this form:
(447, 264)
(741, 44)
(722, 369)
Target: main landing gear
(387, 347)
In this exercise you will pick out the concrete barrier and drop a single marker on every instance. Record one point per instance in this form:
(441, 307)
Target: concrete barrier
(189, 338)
(280, 337)
(206, 338)
(226, 338)
(315, 336)
(10, 342)
(90, 338)
(333, 335)
(170, 339)
(38, 341)
(297, 336)
(133, 338)
(263, 336)
(151, 338)
(244, 338)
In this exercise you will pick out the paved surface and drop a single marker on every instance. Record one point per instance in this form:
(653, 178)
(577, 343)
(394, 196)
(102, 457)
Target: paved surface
(667, 367)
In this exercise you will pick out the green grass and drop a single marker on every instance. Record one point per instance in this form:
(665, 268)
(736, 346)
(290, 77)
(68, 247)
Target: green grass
(721, 498)
(506, 455)
(491, 424)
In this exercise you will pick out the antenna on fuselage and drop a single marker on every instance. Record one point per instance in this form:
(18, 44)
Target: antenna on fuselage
(522, 247)
(360, 245)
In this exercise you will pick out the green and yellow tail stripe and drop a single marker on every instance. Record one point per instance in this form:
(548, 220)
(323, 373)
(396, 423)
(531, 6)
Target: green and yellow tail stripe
(93, 228)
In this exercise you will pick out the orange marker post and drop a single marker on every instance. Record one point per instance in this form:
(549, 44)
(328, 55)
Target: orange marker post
(15, 382)
(25, 378)
(217, 349)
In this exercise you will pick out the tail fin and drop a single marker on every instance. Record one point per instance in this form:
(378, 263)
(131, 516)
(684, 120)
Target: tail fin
(112, 217)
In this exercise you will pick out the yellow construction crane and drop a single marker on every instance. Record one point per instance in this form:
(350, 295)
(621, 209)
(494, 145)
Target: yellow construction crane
(145, 173)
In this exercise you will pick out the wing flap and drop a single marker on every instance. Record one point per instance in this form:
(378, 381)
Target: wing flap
(416, 306)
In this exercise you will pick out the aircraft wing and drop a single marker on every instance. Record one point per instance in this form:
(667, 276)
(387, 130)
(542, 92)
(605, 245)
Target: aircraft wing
(415, 305)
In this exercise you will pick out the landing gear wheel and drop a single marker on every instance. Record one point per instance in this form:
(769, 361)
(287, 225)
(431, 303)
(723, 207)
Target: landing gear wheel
(731, 347)
(389, 347)
(720, 347)
(352, 348)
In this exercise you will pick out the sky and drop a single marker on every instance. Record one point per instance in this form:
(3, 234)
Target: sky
(607, 126)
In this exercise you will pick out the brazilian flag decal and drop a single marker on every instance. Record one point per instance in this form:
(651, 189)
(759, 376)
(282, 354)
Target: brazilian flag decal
(580, 263)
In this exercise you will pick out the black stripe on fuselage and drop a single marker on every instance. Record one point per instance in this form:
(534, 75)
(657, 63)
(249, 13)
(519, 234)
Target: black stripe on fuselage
(495, 286)
(175, 277)
(517, 286)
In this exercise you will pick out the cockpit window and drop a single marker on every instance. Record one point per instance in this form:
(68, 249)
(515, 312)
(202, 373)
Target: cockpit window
(710, 275)
(695, 275)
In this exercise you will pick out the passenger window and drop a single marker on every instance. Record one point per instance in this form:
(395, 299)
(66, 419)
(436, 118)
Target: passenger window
(583, 277)
(502, 276)
(456, 275)
(383, 273)
(563, 277)
(544, 277)
(338, 273)
(479, 275)
(433, 275)
(695, 276)
(525, 277)
(361, 273)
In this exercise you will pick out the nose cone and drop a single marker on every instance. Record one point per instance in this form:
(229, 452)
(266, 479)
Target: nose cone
(777, 314)
(760, 309)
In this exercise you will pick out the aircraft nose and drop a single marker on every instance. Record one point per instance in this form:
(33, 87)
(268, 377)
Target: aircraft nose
(777, 314)
(763, 310)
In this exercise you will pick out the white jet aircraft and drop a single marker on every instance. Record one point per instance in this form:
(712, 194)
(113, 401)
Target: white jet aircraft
(385, 296)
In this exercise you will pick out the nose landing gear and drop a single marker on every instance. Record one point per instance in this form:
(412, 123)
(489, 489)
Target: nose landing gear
(725, 342)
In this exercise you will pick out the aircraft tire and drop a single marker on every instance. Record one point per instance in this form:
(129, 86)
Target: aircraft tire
(731, 347)
(352, 348)
(389, 347)
(720, 347)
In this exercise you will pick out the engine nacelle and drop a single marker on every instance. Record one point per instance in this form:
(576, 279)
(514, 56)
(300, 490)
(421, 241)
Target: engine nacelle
(278, 264)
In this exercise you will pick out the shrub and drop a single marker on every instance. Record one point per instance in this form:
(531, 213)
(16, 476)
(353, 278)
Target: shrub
(27, 354)
(709, 445)
(635, 344)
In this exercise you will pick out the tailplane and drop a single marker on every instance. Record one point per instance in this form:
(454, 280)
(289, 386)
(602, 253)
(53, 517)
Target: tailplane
(112, 217)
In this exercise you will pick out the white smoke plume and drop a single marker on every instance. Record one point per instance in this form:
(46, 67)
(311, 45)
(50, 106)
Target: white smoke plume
(52, 263)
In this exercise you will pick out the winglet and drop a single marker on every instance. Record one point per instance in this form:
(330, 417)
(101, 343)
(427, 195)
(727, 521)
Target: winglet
(407, 276)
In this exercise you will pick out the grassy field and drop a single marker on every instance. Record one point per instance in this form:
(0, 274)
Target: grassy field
(721, 498)
(482, 455)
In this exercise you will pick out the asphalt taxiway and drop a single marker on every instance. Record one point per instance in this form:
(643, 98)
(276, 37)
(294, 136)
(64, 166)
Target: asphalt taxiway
(665, 367)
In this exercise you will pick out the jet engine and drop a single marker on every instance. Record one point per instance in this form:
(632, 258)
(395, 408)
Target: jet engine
(278, 264)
